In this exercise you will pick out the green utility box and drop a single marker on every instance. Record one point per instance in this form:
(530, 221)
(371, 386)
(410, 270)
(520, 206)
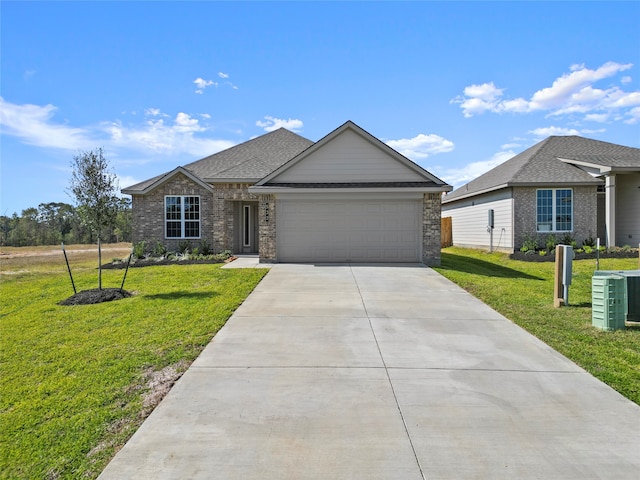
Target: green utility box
(608, 302)
(632, 291)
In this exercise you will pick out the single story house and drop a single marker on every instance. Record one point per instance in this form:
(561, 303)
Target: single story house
(348, 197)
(564, 185)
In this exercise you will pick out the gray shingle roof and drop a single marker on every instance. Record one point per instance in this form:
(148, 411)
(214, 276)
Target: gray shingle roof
(248, 161)
(540, 164)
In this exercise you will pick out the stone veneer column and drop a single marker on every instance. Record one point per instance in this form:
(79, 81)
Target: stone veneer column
(267, 227)
(431, 224)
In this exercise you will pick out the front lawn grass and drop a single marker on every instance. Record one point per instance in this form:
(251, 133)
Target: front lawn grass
(523, 292)
(76, 381)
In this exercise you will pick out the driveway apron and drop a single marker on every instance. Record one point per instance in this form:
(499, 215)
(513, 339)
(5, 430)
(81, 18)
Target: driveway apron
(380, 372)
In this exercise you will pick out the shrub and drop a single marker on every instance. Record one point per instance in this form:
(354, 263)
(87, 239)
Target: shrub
(567, 239)
(589, 242)
(184, 246)
(551, 242)
(205, 248)
(159, 250)
(139, 249)
(587, 248)
(529, 244)
(542, 253)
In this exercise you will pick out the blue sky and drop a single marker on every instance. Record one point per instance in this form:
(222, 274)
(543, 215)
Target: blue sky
(458, 87)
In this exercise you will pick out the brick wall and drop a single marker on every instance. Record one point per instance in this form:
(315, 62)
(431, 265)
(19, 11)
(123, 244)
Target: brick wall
(267, 227)
(223, 198)
(431, 225)
(584, 215)
(216, 213)
(148, 213)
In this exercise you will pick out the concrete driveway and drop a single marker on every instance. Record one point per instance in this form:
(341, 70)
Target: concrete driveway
(380, 372)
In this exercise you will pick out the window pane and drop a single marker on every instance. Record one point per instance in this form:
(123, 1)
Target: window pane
(174, 230)
(191, 229)
(564, 210)
(192, 208)
(544, 215)
(172, 208)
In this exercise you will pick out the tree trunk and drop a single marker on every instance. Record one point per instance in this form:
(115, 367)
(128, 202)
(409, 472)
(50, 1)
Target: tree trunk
(99, 264)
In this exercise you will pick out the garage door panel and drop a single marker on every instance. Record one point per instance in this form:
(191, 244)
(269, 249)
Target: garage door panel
(354, 230)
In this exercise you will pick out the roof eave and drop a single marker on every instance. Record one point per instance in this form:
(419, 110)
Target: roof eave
(272, 190)
(219, 181)
(165, 178)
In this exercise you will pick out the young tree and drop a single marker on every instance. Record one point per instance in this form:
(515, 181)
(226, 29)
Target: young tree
(95, 187)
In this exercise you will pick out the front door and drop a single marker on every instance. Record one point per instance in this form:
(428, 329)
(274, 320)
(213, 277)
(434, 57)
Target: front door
(246, 238)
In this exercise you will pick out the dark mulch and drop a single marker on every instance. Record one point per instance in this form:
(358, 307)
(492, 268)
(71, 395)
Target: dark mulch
(90, 297)
(535, 257)
(152, 262)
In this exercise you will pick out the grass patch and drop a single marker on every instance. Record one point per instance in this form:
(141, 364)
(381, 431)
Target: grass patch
(77, 381)
(523, 292)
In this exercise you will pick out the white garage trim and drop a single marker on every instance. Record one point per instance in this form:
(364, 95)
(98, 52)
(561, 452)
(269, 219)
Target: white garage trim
(360, 228)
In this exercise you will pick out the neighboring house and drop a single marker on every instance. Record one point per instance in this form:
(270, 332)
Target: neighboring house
(566, 185)
(346, 198)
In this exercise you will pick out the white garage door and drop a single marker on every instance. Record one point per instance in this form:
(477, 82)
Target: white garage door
(349, 230)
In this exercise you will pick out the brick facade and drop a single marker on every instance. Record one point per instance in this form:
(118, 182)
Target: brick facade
(431, 225)
(267, 226)
(225, 194)
(148, 213)
(584, 215)
(217, 218)
(216, 213)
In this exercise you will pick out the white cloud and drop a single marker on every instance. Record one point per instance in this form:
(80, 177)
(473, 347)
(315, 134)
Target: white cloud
(634, 116)
(223, 75)
(597, 117)
(626, 79)
(34, 125)
(205, 115)
(421, 146)
(201, 84)
(273, 123)
(158, 134)
(184, 123)
(571, 93)
(126, 181)
(510, 146)
(459, 176)
(558, 131)
(478, 99)
(169, 138)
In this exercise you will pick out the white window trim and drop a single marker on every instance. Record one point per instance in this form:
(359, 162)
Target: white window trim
(553, 210)
(182, 219)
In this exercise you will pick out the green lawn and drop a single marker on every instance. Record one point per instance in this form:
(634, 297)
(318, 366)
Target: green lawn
(523, 292)
(75, 381)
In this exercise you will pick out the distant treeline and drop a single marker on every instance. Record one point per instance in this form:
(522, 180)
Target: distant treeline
(54, 223)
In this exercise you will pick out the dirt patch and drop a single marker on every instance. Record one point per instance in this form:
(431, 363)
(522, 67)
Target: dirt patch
(90, 297)
(159, 382)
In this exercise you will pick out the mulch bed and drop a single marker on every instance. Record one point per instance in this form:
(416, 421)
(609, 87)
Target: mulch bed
(535, 257)
(152, 262)
(90, 297)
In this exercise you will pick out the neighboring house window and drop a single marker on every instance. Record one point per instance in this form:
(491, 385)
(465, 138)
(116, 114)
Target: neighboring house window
(182, 217)
(554, 210)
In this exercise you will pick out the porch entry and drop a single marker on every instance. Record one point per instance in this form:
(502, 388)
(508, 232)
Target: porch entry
(245, 231)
